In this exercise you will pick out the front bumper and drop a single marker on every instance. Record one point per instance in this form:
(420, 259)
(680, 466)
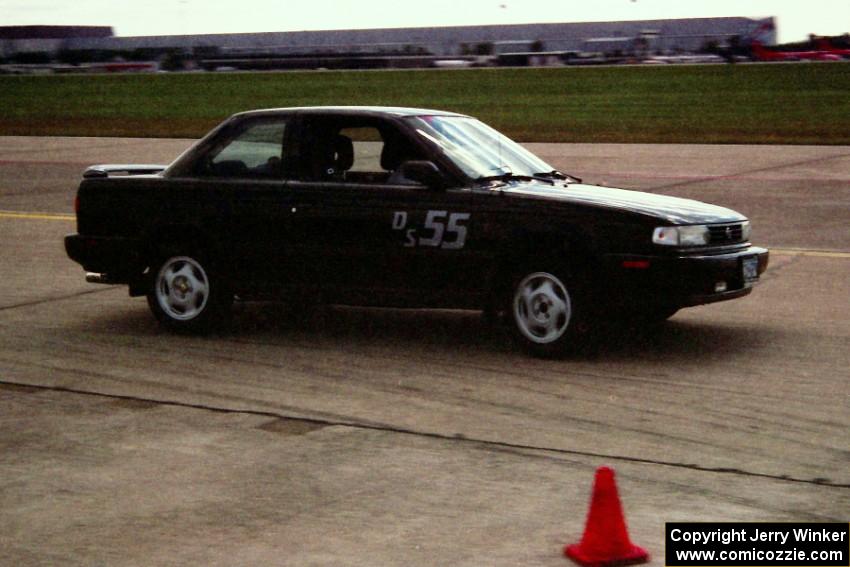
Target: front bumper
(687, 279)
(116, 256)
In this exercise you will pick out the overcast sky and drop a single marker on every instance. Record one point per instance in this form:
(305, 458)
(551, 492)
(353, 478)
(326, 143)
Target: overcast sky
(795, 19)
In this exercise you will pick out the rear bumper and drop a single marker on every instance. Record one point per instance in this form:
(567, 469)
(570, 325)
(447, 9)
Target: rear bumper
(688, 280)
(121, 258)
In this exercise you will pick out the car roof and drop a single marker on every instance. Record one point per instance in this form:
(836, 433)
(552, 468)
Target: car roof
(352, 110)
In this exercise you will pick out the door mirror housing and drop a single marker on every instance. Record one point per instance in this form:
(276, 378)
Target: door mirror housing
(424, 172)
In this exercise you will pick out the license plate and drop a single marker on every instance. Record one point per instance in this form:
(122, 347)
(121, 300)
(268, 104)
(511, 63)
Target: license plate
(751, 269)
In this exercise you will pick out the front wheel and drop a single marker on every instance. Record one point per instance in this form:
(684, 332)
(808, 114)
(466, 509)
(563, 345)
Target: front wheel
(186, 295)
(546, 312)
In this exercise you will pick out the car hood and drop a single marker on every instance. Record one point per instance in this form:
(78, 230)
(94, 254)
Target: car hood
(673, 209)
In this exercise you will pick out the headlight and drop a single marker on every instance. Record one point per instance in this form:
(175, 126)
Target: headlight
(745, 230)
(693, 235)
(697, 235)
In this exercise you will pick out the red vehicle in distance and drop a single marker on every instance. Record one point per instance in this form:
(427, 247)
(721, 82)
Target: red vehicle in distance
(764, 54)
(826, 46)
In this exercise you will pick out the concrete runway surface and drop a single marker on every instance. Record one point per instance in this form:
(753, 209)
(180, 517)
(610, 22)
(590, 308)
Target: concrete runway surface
(379, 437)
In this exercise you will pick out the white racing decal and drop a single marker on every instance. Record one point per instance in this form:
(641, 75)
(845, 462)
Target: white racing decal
(399, 220)
(449, 235)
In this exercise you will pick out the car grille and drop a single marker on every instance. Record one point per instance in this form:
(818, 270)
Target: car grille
(725, 233)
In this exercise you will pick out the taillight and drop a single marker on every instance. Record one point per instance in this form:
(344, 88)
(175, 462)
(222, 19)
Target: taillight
(636, 264)
(77, 204)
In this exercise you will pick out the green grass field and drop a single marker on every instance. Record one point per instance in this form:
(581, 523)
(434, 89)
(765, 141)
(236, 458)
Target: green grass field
(779, 103)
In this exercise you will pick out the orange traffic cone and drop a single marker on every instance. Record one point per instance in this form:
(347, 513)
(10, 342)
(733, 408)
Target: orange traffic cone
(606, 539)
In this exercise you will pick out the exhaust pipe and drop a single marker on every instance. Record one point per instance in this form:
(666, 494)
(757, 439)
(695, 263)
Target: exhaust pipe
(92, 277)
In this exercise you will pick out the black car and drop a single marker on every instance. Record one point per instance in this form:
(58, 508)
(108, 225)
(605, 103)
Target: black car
(399, 207)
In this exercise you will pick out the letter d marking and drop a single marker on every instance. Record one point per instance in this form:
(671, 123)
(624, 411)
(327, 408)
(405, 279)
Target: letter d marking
(399, 220)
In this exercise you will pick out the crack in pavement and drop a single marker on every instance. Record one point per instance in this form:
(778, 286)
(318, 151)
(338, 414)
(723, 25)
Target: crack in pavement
(747, 172)
(52, 299)
(518, 448)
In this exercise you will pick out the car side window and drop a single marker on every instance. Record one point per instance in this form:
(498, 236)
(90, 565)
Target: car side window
(256, 151)
(354, 153)
(367, 145)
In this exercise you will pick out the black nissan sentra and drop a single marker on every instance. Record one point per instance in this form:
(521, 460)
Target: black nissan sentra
(400, 207)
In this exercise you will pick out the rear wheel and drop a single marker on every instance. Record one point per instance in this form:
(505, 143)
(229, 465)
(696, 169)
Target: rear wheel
(187, 295)
(546, 312)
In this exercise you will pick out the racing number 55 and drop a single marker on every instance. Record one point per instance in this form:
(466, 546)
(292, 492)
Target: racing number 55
(434, 222)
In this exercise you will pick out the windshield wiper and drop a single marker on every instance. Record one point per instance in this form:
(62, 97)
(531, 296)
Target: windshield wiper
(514, 177)
(555, 174)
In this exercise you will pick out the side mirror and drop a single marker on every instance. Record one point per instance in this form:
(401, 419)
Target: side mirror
(424, 172)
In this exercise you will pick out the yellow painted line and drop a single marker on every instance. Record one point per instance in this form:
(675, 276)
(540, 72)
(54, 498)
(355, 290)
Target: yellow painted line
(36, 216)
(804, 252)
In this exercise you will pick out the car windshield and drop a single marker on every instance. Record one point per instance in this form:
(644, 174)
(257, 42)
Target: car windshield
(479, 150)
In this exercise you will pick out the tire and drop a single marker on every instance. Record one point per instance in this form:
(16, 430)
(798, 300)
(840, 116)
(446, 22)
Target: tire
(187, 295)
(547, 312)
